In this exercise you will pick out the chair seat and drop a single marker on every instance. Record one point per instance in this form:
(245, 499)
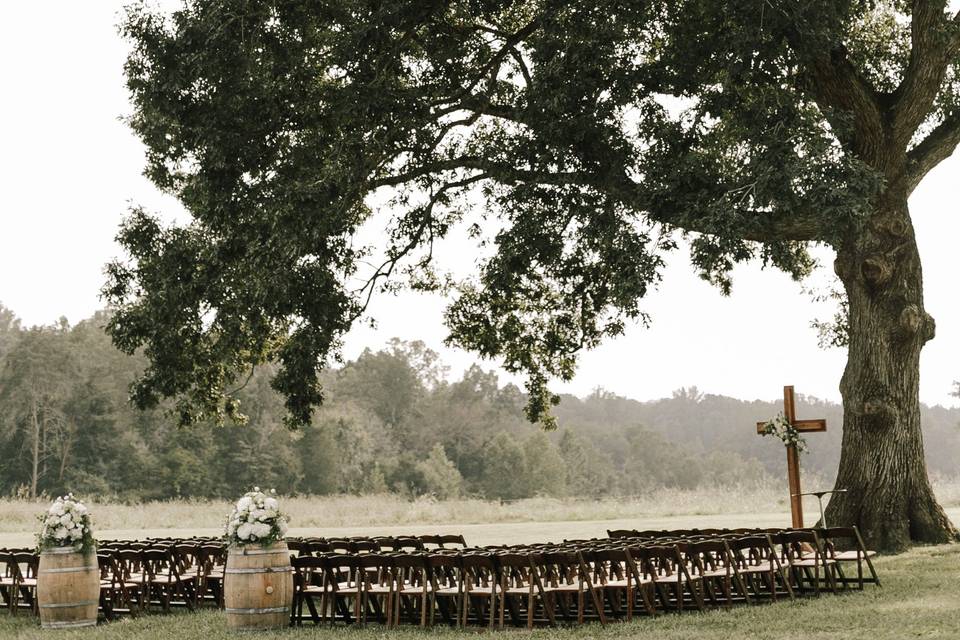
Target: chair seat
(448, 591)
(616, 584)
(766, 567)
(853, 556)
(379, 588)
(717, 573)
(812, 562)
(483, 590)
(414, 591)
(28, 582)
(519, 591)
(312, 589)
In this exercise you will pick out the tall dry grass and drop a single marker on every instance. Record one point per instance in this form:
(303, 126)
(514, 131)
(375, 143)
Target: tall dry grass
(391, 509)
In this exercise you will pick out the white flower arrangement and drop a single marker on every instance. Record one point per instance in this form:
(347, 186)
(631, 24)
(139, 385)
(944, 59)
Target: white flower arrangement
(786, 432)
(256, 519)
(65, 524)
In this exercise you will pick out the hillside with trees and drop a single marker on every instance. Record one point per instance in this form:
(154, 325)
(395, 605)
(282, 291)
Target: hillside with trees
(394, 421)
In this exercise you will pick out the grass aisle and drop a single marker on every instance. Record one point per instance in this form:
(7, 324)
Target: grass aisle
(919, 599)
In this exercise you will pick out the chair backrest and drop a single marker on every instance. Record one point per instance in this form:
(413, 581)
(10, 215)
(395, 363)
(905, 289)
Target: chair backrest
(305, 568)
(452, 541)
(429, 542)
(364, 546)
(623, 533)
(340, 545)
(709, 554)
(408, 543)
(478, 569)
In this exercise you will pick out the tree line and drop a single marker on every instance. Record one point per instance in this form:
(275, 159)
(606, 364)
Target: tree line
(393, 421)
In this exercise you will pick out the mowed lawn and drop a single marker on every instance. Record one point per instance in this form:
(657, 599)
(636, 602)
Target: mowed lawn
(919, 599)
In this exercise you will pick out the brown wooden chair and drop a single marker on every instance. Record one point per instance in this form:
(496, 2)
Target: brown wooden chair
(344, 583)
(446, 587)
(164, 580)
(8, 580)
(802, 554)
(613, 577)
(309, 582)
(212, 559)
(518, 588)
(557, 576)
(377, 596)
(711, 560)
(412, 580)
(854, 551)
(671, 578)
(758, 564)
(481, 588)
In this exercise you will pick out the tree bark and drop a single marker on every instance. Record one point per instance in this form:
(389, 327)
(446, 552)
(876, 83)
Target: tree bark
(882, 464)
(36, 448)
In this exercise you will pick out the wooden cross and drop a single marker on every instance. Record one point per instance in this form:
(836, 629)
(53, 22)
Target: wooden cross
(793, 457)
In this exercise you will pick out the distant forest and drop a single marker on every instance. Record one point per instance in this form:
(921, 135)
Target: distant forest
(393, 421)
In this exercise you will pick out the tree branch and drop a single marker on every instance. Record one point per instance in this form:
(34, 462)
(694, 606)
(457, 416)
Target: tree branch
(930, 54)
(839, 85)
(936, 147)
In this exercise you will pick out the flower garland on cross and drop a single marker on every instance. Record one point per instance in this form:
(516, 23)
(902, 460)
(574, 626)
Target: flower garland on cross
(786, 432)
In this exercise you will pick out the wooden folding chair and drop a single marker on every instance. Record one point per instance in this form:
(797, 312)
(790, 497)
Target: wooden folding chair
(344, 581)
(412, 579)
(758, 564)
(710, 559)
(518, 589)
(309, 582)
(671, 578)
(856, 553)
(377, 595)
(802, 554)
(481, 588)
(446, 587)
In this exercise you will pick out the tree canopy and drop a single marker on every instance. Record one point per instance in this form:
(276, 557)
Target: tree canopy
(571, 137)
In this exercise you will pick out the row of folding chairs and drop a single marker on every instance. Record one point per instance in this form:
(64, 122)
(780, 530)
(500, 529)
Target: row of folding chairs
(835, 547)
(376, 544)
(570, 582)
(18, 579)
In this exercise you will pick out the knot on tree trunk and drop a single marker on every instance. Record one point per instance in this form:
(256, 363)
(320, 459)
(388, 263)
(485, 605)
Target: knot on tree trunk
(911, 319)
(929, 327)
(878, 411)
(876, 270)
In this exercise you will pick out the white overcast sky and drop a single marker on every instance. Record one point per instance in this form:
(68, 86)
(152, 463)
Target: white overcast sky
(69, 168)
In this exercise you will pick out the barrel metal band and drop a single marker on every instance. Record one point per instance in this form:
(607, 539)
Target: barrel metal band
(59, 551)
(262, 552)
(286, 569)
(61, 605)
(68, 624)
(264, 610)
(69, 569)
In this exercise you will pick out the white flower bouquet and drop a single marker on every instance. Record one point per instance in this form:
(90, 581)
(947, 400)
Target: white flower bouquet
(65, 524)
(256, 519)
(788, 434)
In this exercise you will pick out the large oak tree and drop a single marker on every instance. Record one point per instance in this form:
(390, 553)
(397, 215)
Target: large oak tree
(574, 139)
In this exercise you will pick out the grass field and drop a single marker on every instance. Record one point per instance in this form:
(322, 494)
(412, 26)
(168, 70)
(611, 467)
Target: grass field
(481, 521)
(919, 599)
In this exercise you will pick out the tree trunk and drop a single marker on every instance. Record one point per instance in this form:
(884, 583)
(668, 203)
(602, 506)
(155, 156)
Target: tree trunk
(36, 448)
(882, 464)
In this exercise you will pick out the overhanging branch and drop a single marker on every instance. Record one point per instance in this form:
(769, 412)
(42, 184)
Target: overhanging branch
(932, 47)
(935, 148)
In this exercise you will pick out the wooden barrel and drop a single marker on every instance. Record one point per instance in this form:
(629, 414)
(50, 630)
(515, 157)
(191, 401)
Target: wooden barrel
(68, 588)
(258, 587)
